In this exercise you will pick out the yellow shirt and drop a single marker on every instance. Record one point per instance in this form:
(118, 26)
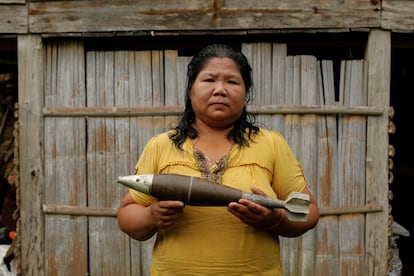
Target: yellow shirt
(210, 240)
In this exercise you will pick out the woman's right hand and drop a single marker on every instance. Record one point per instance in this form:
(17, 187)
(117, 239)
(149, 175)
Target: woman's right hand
(166, 212)
(142, 222)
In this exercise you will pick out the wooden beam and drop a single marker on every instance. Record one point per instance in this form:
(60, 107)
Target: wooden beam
(178, 109)
(102, 16)
(397, 15)
(55, 209)
(369, 208)
(13, 18)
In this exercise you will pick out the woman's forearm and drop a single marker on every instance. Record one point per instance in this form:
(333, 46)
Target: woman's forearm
(136, 221)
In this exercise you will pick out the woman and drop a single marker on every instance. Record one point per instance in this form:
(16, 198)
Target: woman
(217, 139)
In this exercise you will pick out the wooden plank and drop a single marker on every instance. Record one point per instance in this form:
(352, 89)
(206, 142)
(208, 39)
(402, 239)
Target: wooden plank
(397, 15)
(171, 77)
(108, 16)
(268, 64)
(13, 18)
(379, 57)
(145, 127)
(125, 152)
(139, 111)
(248, 50)
(309, 152)
(143, 63)
(108, 157)
(126, 95)
(263, 69)
(31, 179)
(259, 56)
(182, 63)
(12, 2)
(139, 63)
(278, 79)
(328, 193)
(111, 212)
(78, 210)
(172, 93)
(140, 90)
(369, 208)
(155, 97)
(158, 93)
(291, 247)
(351, 164)
(327, 247)
(65, 163)
(100, 68)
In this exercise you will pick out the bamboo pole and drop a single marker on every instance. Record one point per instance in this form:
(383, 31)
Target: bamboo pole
(71, 210)
(167, 110)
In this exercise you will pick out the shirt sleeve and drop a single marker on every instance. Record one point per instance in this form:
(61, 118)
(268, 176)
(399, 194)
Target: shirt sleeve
(147, 164)
(288, 174)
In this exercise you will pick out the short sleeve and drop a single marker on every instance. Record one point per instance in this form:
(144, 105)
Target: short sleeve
(147, 164)
(288, 174)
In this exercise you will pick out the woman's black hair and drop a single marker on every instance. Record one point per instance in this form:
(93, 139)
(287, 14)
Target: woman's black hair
(246, 121)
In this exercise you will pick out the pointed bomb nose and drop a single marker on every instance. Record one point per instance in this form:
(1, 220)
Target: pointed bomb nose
(125, 179)
(141, 183)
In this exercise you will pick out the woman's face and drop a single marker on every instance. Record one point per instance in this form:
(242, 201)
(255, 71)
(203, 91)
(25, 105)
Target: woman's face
(218, 94)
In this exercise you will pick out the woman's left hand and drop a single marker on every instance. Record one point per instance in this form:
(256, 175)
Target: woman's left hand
(254, 214)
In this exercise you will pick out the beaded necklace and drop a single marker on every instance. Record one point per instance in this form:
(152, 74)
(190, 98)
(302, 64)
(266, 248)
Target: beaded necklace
(211, 172)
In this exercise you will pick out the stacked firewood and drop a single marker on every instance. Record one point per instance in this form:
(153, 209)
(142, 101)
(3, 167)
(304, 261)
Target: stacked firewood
(8, 99)
(395, 230)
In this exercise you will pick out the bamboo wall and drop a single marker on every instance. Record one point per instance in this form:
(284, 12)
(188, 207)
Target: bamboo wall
(87, 122)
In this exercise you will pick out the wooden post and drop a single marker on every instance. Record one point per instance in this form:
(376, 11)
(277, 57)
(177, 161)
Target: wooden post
(30, 194)
(378, 55)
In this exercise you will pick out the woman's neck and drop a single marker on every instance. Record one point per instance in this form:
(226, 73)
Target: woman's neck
(213, 142)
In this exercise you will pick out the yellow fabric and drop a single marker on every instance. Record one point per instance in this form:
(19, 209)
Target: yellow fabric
(209, 240)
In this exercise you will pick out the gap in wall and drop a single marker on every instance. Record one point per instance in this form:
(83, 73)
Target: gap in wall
(402, 187)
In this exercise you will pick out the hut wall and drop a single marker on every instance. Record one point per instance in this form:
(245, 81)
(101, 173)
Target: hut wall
(89, 114)
(84, 116)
